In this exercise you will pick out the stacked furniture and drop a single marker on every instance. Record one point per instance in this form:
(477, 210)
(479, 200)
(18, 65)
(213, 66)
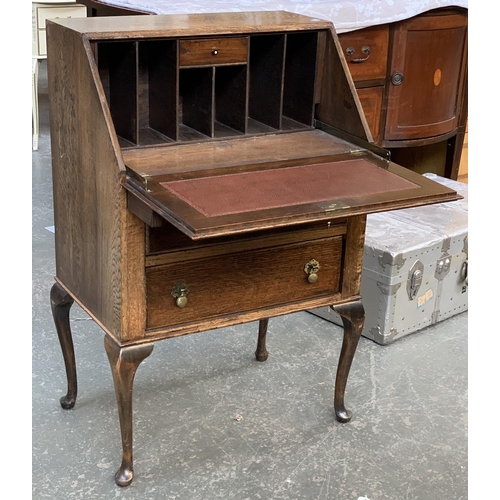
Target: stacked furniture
(209, 170)
(415, 268)
(40, 12)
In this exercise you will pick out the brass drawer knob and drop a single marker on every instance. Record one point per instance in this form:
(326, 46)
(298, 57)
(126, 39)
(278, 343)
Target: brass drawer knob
(179, 292)
(311, 269)
(215, 52)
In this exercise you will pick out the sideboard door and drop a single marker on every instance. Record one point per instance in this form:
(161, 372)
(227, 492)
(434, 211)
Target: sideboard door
(426, 76)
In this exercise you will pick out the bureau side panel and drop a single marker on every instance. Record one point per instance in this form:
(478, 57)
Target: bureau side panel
(96, 239)
(339, 104)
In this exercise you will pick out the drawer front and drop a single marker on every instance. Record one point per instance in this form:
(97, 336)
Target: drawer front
(371, 101)
(243, 281)
(213, 51)
(366, 52)
(45, 13)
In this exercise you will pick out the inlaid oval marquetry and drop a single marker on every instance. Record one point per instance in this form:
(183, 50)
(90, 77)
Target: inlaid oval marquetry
(437, 77)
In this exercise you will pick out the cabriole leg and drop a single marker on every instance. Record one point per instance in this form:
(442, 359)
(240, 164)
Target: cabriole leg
(124, 362)
(353, 317)
(61, 303)
(261, 353)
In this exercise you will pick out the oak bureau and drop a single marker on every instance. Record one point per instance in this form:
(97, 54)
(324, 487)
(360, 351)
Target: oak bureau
(209, 170)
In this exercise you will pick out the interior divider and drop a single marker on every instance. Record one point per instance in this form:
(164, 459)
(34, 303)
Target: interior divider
(230, 100)
(117, 63)
(300, 70)
(196, 89)
(266, 79)
(158, 89)
(154, 101)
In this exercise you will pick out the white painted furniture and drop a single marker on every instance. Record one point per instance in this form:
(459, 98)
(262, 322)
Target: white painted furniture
(40, 12)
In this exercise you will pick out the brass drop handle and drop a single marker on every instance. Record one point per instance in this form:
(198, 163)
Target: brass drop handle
(179, 292)
(311, 269)
(364, 50)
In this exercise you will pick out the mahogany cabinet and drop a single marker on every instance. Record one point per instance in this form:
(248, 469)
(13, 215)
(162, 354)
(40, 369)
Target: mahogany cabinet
(209, 170)
(411, 80)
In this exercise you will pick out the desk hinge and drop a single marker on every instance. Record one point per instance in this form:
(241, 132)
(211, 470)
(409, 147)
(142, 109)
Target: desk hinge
(139, 178)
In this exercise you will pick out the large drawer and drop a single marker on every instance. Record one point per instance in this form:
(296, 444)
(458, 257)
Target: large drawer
(366, 52)
(242, 281)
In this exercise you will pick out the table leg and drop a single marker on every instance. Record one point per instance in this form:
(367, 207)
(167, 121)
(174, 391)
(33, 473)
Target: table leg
(61, 303)
(261, 353)
(353, 317)
(124, 362)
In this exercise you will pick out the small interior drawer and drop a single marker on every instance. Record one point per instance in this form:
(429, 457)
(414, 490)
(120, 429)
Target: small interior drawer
(57, 12)
(366, 52)
(243, 281)
(213, 51)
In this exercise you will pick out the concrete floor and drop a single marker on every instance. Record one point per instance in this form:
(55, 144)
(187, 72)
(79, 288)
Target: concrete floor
(407, 439)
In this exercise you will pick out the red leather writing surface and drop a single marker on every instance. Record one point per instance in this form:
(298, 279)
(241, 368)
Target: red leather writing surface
(265, 189)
